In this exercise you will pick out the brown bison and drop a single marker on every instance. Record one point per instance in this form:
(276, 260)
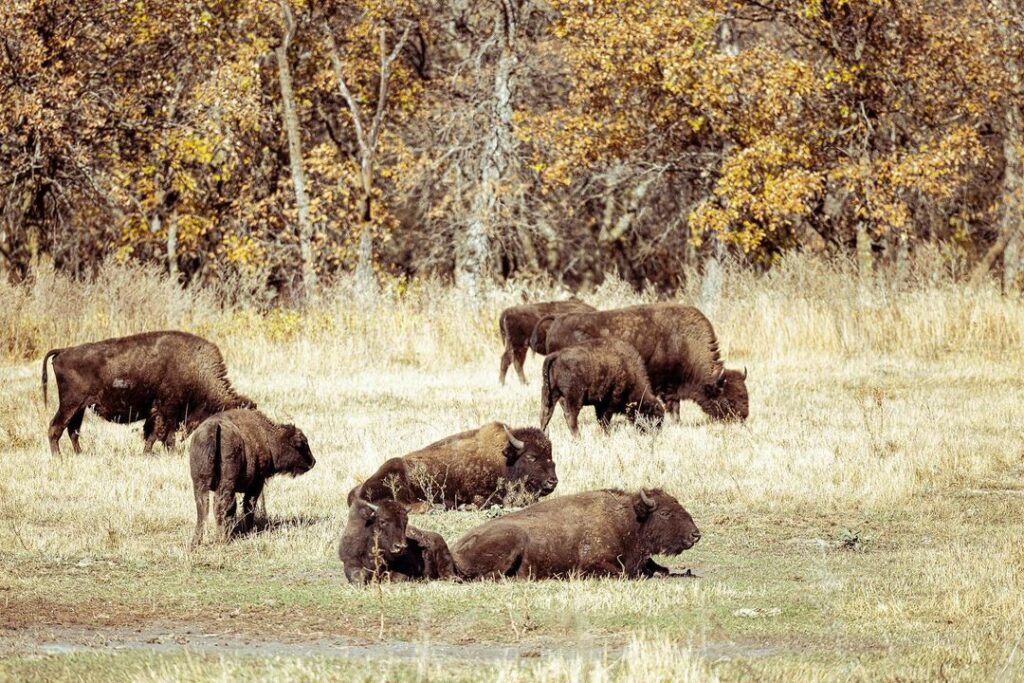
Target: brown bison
(236, 452)
(517, 324)
(378, 543)
(605, 373)
(164, 378)
(678, 347)
(480, 467)
(597, 533)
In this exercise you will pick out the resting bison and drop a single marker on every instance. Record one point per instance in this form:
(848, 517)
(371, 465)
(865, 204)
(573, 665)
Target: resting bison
(605, 373)
(517, 324)
(678, 347)
(164, 378)
(378, 542)
(236, 452)
(607, 532)
(481, 467)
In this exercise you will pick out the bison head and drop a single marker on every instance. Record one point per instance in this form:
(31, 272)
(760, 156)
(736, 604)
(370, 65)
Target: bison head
(382, 524)
(538, 340)
(666, 528)
(528, 460)
(650, 409)
(726, 398)
(291, 454)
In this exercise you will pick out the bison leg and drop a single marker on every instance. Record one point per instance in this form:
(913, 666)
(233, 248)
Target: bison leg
(151, 431)
(506, 360)
(249, 501)
(519, 357)
(169, 439)
(604, 416)
(224, 508)
(572, 408)
(497, 553)
(65, 415)
(650, 568)
(75, 429)
(202, 510)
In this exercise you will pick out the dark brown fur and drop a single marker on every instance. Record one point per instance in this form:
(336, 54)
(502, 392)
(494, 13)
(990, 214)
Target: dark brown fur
(378, 543)
(164, 378)
(678, 347)
(236, 452)
(479, 467)
(605, 373)
(597, 533)
(517, 323)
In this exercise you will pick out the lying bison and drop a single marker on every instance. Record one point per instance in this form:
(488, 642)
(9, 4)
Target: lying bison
(605, 373)
(678, 347)
(480, 467)
(164, 378)
(236, 452)
(597, 533)
(517, 325)
(378, 543)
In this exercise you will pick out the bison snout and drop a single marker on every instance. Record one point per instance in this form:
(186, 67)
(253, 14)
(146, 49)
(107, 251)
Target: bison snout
(550, 484)
(694, 537)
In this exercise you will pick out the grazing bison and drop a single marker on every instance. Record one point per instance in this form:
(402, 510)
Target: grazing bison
(378, 542)
(678, 347)
(605, 373)
(481, 467)
(164, 378)
(597, 533)
(236, 452)
(517, 324)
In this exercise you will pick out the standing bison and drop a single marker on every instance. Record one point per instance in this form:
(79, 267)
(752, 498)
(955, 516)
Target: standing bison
(605, 373)
(236, 452)
(517, 325)
(678, 347)
(378, 543)
(597, 533)
(481, 467)
(164, 378)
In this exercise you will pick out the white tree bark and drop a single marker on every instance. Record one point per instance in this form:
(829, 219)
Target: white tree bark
(290, 119)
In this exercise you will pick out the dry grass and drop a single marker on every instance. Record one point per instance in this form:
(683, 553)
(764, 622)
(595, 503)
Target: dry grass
(869, 513)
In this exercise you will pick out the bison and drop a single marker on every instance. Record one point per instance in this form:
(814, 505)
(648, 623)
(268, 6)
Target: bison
(605, 373)
(517, 324)
(236, 452)
(597, 533)
(480, 467)
(164, 378)
(378, 542)
(678, 347)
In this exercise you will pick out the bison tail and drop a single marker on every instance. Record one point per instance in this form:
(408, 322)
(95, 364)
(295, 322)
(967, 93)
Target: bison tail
(547, 401)
(501, 328)
(215, 476)
(49, 354)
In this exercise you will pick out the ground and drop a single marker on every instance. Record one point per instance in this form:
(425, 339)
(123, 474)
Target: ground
(865, 523)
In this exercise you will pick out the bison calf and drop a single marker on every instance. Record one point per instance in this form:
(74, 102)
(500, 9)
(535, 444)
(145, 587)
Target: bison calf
(480, 467)
(517, 323)
(605, 373)
(597, 533)
(236, 452)
(164, 378)
(378, 543)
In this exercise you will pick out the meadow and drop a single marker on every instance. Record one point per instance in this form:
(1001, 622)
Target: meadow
(864, 523)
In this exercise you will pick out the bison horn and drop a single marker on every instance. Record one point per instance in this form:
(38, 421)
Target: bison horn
(516, 443)
(720, 380)
(373, 508)
(648, 501)
(744, 372)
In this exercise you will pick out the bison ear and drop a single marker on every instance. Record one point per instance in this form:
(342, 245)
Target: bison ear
(644, 505)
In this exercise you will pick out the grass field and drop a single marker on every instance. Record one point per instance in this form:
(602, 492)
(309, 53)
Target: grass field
(865, 523)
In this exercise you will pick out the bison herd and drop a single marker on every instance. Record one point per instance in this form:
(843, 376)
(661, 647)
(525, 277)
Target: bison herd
(639, 361)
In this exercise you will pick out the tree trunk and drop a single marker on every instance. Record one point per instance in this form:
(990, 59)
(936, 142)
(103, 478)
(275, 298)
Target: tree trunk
(290, 119)
(864, 265)
(172, 246)
(1013, 205)
(473, 258)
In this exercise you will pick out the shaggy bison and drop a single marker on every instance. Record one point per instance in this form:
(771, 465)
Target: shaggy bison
(236, 452)
(479, 467)
(164, 378)
(379, 542)
(597, 533)
(517, 324)
(678, 347)
(605, 373)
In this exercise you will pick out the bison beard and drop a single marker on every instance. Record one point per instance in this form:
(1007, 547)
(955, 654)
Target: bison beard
(597, 533)
(164, 378)
(605, 373)
(516, 325)
(236, 452)
(678, 347)
(378, 543)
(482, 466)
